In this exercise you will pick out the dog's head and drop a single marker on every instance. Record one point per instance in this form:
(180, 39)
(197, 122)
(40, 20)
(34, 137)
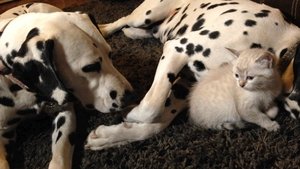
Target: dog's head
(56, 69)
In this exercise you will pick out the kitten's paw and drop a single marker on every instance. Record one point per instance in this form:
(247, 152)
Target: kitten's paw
(273, 126)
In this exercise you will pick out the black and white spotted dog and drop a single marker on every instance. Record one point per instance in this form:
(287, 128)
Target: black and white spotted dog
(195, 33)
(56, 57)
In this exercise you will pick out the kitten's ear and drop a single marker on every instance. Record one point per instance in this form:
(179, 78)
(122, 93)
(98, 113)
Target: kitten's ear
(234, 52)
(265, 60)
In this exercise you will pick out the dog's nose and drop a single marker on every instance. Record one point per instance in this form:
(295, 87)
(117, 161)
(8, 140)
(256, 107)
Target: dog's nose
(129, 97)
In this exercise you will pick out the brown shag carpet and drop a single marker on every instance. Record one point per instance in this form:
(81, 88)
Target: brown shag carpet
(180, 145)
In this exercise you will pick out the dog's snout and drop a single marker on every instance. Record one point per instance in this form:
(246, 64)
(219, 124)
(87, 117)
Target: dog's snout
(129, 97)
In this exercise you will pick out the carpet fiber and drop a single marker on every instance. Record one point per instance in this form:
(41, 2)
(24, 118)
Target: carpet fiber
(180, 145)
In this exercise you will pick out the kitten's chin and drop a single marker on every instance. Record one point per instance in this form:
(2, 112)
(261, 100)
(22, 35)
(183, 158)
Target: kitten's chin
(248, 88)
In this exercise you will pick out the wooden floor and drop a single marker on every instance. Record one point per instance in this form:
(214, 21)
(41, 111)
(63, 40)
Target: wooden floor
(59, 3)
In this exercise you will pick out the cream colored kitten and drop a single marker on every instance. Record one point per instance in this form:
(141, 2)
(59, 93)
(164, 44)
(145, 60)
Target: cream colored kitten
(234, 93)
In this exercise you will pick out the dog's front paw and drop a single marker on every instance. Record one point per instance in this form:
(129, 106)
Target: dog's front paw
(104, 137)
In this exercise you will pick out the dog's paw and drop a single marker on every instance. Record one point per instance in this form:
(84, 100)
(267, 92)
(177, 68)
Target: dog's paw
(104, 137)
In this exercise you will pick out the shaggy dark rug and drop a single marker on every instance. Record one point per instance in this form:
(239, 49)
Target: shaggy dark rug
(179, 146)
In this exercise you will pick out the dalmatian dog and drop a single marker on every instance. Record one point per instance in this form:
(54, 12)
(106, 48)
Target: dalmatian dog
(195, 35)
(45, 62)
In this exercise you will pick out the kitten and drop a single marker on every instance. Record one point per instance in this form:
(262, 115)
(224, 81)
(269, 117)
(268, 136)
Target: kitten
(238, 92)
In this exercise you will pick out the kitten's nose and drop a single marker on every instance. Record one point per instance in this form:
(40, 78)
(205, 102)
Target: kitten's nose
(242, 83)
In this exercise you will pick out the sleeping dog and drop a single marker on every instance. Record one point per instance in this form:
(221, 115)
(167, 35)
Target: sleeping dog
(195, 35)
(46, 62)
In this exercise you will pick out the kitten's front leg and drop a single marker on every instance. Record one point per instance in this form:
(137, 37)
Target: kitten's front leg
(261, 119)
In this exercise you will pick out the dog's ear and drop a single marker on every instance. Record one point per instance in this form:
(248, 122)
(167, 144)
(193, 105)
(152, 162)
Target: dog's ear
(34, 67)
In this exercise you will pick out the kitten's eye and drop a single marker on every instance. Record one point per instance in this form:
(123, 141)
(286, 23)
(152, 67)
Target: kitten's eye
(236, 75)
(250, 77)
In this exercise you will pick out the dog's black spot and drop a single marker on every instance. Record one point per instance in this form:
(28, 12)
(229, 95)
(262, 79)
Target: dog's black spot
(206, 52)
(171, 77)
(228, 22)
(179, 91)
(113, 94)
(168, 102)
(262, 13)
(244, 11)
(198, 48)
(6, 44)
(94, 67)
(199, 65)
(214, 35)
(148, 12)
(14, 88)
(200, 16)
(178, 23)
(255, 45)
(190, 49)
(6, 101)
(147, 21)
(204, 5)
(185, 8)
(182, 30)
(58, 136)
(183, 41)
(283, 51)
(250, 22)
(60, 122)
(216, 5)
(198, 25)
(204, 32)
(23, 50)
(72, 138)
(28, 5)
(245, 33)
(179, 49)
(26, 112)
(40, 45)
(229, 11)
(39, 79)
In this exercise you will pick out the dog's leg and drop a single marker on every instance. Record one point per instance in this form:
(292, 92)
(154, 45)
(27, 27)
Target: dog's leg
(156, 111)
(137, 33)
(63, 139)
(126, 132)
(147, 13)
(152, 105)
